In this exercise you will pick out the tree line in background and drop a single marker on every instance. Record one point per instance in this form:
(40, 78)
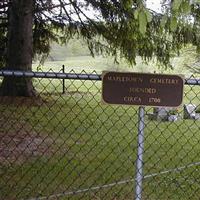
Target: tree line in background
(118, 28)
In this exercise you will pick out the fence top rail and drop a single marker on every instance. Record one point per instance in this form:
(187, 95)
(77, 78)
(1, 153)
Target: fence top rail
(74, 76)
(192, 81)
(55, 75)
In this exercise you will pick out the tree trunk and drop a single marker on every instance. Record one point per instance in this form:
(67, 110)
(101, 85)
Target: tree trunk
(20, 48)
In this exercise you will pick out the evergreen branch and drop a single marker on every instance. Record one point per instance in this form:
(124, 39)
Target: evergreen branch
(63, 6)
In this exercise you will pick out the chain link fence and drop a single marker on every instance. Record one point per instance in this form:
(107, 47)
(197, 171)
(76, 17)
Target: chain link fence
(65, 144)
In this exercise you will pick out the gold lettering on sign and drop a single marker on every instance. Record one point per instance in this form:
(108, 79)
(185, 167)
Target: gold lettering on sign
(132, 99)
(125, 79)
(164, 81)
(143, 90)
(154, 100)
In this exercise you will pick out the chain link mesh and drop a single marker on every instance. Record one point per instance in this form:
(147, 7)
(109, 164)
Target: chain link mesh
(66, 144)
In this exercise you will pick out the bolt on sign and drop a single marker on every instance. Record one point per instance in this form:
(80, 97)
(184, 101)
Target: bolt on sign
(142, 89)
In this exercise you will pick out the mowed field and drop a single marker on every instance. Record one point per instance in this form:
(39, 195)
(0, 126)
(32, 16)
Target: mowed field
(71, 146)
(89, 65)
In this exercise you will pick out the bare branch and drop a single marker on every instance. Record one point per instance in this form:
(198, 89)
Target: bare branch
(63, 6)
(50, 7)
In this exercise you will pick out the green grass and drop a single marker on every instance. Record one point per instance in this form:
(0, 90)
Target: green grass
(83, 144)
(98, 64)
(80, 63)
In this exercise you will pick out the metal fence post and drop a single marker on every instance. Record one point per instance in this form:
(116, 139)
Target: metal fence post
(63, 81)
(140, 151)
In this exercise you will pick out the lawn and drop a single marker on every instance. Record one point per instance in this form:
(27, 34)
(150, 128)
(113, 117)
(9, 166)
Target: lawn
(70, 144)
(99, 64)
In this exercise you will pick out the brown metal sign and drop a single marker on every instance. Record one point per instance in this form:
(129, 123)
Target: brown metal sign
(142, 89)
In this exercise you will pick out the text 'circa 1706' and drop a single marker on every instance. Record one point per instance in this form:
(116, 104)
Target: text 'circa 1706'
(142, 89)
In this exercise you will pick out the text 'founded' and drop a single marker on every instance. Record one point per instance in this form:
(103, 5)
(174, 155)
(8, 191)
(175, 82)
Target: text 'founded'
(142, 89)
